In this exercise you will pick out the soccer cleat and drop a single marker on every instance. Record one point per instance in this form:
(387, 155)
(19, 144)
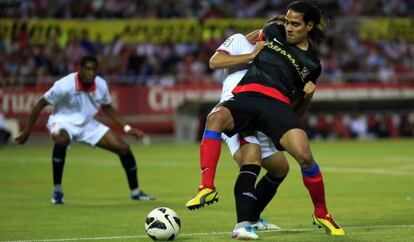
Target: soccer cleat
(142, 196)
(57, 198)
(263, 224)
(245, 233)
(328, 224)
(204, 196)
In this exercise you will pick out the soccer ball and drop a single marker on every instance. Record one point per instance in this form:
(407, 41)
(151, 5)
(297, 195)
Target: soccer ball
(162, 224)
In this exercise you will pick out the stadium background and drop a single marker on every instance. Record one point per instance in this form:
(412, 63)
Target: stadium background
(155, 56)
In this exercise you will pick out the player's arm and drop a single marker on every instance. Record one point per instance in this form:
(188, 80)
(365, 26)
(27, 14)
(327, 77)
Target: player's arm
(253, 36)
(222, 59)
(301, 104)
(115, 117)
(38, 107)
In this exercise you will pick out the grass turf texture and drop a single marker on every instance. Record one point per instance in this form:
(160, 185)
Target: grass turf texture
(369, 188)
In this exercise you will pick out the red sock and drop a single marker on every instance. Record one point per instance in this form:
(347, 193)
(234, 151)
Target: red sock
(312, 178)
(210, 149)
(316, 189)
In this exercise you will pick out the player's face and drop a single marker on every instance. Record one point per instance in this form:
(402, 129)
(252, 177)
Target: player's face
(296, 29)
(88, 73)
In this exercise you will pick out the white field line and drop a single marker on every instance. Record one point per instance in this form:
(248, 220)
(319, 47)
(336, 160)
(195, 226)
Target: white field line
(373, 171)
(396, 171)
(212, 233)
(406, 167)
(402, 170)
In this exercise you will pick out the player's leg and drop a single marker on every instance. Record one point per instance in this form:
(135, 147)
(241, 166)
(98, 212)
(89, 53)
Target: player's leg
(285, 129)
(222, 118)
(218, 120)
(244, 189)
(112, 142)
(97, 134)
(277, 169)
(245, 192)
(295, 141)
(61, 140)
(243, 229)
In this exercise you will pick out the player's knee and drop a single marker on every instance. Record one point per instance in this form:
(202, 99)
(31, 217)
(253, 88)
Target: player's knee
(62, 142)
(123, 149)
(280, 171)
(217, 118)
(61, 138)
(304, 157)
(284, 169)
(238, 157)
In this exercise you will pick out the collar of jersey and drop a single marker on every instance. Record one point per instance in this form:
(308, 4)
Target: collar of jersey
(80, 87)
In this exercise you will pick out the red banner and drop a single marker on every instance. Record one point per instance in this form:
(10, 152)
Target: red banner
(149, 108)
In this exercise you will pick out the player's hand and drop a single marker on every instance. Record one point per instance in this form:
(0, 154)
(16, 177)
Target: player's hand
(309, 89)
(259, 46)
(22, 137)
(136, 133)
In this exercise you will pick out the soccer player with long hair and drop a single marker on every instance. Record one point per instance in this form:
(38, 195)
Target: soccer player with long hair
(278, 76)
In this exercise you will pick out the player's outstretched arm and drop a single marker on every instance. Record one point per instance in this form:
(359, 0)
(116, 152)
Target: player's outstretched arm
(24, 135)
(222, 59)
(114, 116)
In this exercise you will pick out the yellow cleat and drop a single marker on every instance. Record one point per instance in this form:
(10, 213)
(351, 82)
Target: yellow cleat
(204, 196)
(328, 224)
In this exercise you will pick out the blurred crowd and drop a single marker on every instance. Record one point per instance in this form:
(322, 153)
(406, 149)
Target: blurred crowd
(192, 8)
(359, 126)
(345, 57)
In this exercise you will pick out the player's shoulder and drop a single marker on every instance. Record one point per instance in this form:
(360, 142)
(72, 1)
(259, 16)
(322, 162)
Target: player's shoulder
(66, 81)
(101, 82)
(313, 54)
(234, 39)
(70, 76)
(238, 36)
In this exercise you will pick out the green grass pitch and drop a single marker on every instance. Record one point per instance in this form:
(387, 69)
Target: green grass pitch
(369, 187)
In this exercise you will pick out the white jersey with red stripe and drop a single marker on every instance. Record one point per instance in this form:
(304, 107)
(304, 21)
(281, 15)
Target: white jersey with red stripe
(73, 104)
(237, 44)
(75, 108)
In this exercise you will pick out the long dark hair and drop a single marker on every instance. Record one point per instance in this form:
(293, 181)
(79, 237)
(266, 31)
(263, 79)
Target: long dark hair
(311, 12)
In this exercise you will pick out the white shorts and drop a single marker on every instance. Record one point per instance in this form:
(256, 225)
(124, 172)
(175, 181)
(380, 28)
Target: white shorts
(266, 145)
(89, 133)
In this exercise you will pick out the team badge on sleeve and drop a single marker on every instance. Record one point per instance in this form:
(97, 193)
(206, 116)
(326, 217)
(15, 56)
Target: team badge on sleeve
(52, 94)
(228, 42)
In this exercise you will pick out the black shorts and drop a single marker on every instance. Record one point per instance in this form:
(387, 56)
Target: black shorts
(257, 112)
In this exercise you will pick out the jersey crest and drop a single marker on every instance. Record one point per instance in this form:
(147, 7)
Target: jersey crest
(304, 73)
(228, 42)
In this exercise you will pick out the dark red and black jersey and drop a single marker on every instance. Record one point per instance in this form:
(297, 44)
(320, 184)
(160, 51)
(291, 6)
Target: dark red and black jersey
(280, 70)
